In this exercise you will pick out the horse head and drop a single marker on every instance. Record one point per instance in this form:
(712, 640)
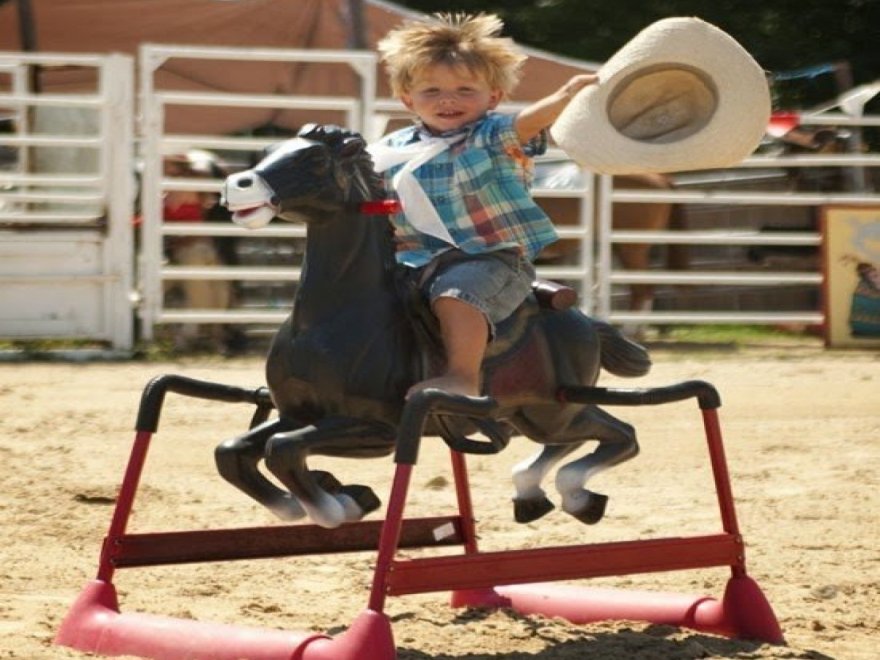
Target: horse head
(310, 177)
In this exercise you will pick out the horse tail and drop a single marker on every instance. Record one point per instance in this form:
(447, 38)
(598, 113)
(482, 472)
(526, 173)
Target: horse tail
(619, 355)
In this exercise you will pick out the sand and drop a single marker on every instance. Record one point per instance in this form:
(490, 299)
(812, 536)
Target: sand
(801, 427)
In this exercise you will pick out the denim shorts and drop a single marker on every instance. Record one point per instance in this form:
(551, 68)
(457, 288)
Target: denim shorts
(496, 283)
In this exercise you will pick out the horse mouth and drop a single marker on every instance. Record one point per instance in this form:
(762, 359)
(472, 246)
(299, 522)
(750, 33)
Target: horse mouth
(252, 216)
(241, 212)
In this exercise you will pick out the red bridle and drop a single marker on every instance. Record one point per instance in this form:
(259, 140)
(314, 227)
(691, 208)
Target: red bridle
(380, 207)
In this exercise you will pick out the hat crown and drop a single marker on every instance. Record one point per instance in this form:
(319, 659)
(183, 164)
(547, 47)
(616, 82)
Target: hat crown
(663, 103)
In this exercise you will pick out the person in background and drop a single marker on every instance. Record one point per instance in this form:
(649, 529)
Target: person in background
(193, 206)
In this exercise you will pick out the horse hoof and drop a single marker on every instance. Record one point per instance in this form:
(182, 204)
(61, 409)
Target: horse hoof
(363, 496)
(593, 510)
(288, 509)
(526, 511)
(326, 481)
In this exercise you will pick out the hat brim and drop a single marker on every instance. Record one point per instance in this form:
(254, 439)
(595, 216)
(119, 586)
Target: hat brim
(706, 96)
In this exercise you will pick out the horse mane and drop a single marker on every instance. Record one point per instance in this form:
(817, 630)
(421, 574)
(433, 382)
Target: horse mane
(350, 152)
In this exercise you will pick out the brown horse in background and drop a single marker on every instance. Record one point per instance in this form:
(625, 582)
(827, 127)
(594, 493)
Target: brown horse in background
(641, 216)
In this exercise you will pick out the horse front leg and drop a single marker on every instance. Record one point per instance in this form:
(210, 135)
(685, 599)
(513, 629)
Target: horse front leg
(617, 443)
(327, 502)
(530, 501)
(237, 461)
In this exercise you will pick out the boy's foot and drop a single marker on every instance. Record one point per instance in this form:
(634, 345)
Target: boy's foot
(448, 383)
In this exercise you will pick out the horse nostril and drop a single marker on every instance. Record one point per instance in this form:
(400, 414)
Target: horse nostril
(245, 182)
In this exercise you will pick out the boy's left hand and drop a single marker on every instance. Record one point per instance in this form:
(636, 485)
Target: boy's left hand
(577, 83)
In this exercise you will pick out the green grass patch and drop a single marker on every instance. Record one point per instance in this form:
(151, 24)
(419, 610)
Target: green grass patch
(731, 337)
(736, 334)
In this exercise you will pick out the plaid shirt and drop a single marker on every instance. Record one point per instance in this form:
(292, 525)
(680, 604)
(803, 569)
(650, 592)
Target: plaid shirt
(479, 188)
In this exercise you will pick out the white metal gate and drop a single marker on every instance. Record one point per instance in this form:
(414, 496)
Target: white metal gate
(66, 200)
(609, 274)
(156, 143)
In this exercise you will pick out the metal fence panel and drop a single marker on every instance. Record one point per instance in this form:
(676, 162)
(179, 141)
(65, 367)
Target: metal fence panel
(66, 203)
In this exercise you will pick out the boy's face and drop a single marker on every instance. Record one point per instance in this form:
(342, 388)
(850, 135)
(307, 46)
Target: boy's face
(446, 98)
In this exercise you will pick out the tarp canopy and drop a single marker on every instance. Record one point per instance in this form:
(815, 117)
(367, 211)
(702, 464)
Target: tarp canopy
(92, 26)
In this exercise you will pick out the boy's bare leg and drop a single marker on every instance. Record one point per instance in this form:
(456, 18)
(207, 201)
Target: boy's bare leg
(465, 334)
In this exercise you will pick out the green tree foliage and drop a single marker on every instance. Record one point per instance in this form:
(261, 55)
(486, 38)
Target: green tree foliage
(782, 35)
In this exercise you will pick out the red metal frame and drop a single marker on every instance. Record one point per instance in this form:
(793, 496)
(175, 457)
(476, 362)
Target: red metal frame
(517, 579)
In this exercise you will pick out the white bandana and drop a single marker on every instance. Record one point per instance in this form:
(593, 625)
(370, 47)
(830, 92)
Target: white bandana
(415, 202)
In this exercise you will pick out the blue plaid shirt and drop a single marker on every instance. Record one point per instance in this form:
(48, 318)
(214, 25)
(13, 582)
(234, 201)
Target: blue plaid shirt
(480, 188)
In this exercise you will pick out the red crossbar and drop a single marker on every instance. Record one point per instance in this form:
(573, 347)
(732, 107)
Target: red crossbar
(489, 569)
(182, 547)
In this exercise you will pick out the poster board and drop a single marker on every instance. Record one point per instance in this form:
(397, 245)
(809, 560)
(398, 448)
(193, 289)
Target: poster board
(851, 261)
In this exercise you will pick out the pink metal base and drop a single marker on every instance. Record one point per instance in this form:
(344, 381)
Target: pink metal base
(95, 624)
(743, 613)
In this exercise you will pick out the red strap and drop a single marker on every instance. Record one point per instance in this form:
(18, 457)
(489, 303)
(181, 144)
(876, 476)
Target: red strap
(380, 207)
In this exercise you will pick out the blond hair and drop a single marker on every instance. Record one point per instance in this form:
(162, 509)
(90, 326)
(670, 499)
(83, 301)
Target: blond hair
(453, 40)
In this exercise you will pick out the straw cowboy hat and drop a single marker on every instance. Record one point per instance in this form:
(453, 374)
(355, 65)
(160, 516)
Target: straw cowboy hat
(682, 95)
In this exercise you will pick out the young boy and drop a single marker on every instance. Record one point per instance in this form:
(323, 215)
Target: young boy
(469, 225)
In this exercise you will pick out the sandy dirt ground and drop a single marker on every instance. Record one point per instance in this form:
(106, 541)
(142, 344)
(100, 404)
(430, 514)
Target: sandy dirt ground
(802, 433)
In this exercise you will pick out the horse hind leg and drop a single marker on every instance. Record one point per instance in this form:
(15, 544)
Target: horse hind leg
(617, 443)
(530, 501)
(237, 462)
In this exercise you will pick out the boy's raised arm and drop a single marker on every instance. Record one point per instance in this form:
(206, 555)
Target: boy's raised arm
(542, 113)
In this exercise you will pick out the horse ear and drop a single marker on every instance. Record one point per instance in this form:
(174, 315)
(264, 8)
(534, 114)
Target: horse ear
(352, 145)
(310, 130)
(329, 134)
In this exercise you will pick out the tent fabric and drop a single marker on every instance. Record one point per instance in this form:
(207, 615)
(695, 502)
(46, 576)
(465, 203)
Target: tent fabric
(95, 26)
